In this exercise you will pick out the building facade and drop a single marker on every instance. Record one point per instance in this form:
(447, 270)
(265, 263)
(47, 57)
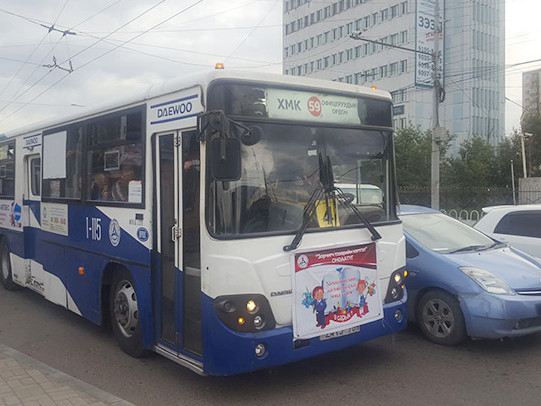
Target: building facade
(531, 93)
(318, 43)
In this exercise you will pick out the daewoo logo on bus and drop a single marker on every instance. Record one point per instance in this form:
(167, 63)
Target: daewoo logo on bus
(176, 109)
(282, 293)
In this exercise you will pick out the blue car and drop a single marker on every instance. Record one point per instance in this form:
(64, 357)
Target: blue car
(463, 283)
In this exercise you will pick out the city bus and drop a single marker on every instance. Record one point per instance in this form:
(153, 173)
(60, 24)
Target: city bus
(203, 221)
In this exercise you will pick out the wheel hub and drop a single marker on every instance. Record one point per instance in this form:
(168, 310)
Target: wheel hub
(438, 318)
(125, 309)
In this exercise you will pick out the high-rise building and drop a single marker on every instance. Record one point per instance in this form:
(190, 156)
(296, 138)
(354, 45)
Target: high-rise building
(531, 93)
(317, 43)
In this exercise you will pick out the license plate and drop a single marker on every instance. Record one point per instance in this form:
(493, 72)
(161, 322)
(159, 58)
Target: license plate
(340, 333)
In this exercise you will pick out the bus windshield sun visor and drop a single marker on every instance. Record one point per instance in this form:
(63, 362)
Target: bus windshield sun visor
(330, 193)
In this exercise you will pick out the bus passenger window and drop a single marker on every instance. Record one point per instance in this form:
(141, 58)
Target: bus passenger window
(114, 159)
(127, 187)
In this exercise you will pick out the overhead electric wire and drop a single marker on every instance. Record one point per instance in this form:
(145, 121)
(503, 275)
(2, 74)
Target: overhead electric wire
(44, 76)
(106, 53)
(28, 58)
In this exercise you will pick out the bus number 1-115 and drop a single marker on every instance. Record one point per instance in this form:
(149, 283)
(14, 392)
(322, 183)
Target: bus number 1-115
(93, 228)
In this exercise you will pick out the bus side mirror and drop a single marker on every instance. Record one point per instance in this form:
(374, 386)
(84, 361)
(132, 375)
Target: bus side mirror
(225, 159)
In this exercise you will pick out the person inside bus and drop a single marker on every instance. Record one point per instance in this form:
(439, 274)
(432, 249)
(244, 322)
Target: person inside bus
(120, 190)
(101, 188)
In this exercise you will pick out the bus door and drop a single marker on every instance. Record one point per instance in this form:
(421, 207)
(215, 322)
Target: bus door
(178, 244)
(31, 203)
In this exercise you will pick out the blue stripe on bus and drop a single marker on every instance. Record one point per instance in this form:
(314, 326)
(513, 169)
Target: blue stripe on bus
(173, 119)
(62, 256)
(195, 96)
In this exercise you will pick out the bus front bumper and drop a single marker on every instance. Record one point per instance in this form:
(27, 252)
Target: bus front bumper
(227, 352)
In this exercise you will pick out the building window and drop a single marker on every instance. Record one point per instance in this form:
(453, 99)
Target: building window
(404, 66)
(403, 37)
(403, 8)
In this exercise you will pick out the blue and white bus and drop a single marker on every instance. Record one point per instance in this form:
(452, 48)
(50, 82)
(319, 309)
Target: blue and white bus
(204, 218)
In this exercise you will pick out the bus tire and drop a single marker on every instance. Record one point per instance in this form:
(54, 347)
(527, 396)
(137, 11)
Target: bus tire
(124, 313)
(6, 275)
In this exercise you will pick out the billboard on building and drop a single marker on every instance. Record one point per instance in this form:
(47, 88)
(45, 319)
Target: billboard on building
(425, 40)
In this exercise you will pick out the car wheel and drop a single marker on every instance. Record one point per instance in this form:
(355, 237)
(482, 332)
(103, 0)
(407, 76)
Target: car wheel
(124, 311)
(6, 276)
(440, 318)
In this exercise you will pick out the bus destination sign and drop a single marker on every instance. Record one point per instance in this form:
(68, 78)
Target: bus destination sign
(314, 107)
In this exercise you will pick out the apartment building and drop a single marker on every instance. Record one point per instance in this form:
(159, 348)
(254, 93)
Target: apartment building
(318, 43)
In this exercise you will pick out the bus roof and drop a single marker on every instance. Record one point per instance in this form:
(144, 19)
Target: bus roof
(201, 79)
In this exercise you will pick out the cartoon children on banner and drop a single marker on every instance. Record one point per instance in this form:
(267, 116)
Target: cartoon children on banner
(319, 305)
(316, 300)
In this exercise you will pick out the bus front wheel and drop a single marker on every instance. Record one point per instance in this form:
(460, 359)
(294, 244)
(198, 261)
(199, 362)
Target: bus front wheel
(124, 311)
(6, 275)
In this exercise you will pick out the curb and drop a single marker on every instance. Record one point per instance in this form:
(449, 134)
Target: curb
(62, 378)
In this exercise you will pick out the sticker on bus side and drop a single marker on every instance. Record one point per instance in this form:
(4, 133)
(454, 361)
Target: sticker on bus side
(54, 218)
(11, 214)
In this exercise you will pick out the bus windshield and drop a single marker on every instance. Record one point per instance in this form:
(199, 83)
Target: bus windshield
(281, 171)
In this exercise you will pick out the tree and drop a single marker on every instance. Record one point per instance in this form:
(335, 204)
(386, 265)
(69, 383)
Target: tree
(473, 166)
(413, 149)
(509, 149)
(531, 124)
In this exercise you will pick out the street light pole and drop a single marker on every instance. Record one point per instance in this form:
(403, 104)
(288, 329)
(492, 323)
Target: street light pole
(524, 172)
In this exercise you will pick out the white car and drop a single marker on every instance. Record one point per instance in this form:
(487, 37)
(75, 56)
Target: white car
(518, 226)
(363, 193)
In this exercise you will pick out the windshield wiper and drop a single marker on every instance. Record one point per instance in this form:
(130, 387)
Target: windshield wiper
(326, 189)
(469, 248)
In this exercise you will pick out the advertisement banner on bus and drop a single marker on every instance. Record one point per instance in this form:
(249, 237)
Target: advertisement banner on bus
(335, 290)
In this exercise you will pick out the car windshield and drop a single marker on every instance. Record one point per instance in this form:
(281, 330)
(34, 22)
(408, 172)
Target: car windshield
(281, 171)
(443, 234)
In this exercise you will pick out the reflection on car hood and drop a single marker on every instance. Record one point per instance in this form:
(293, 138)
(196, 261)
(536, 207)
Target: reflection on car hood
(504, 263)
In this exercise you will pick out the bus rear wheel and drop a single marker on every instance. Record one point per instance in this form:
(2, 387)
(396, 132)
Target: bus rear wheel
(6, 276)
(124, 311)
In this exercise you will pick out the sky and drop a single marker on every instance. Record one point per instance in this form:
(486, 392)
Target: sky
(59, 56)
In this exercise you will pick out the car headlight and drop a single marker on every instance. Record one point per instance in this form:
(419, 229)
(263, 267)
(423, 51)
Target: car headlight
(487, 281)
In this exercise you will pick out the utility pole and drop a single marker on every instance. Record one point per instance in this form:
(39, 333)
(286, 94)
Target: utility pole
(437, 131)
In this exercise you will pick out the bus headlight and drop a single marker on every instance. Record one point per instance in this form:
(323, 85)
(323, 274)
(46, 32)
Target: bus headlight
(395, 291)
(245, 313)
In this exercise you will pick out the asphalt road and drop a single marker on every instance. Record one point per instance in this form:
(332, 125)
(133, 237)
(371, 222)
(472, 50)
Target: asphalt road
(401, 369)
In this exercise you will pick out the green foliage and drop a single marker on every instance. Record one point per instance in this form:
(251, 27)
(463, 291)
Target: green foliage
(413, 149)
(477, 164)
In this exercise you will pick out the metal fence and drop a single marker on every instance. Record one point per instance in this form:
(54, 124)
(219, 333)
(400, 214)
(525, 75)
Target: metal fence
(466, 203)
